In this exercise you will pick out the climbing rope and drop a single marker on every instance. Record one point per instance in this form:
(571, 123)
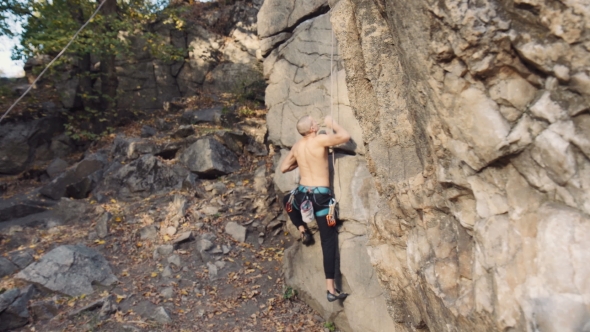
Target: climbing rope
(52, 61)
(331, 217)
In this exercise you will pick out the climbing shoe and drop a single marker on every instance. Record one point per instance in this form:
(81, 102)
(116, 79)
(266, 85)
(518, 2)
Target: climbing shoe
(334, 297)
(307, 238)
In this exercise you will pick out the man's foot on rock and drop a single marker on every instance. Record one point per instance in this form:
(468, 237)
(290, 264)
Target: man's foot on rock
(307, 238)
(334, 297)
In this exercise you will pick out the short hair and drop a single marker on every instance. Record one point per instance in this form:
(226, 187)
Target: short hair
(304, 125)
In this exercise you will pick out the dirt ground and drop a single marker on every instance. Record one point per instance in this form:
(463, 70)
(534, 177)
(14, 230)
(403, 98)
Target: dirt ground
(247, 292)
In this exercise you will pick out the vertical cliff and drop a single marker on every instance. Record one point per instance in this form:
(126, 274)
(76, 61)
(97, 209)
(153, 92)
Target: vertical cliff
(305, 75)
(481, 150)
(473, 120)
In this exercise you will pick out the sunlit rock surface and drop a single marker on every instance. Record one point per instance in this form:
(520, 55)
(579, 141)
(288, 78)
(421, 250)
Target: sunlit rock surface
(475, 129)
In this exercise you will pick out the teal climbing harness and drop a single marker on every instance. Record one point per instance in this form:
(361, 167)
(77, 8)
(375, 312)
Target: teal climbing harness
(306, 206)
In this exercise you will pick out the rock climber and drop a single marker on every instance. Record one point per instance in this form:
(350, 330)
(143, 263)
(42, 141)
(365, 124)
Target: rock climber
(313, 196)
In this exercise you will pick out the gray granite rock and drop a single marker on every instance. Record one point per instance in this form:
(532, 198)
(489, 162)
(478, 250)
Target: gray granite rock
(161, 316)
(102, 225)
(209, 158)
(6, 267)
(236, 231)
(22, 258)
(70, 270)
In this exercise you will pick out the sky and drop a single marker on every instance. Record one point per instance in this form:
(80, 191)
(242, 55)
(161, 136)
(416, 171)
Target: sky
(8, 67)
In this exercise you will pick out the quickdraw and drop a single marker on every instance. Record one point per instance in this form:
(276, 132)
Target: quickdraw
(289, 205)
(331, 217)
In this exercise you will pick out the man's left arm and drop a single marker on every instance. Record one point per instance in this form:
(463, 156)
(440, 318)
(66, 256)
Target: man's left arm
(289, 163)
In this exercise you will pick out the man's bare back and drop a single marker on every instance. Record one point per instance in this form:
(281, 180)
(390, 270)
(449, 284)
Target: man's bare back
(310, 153)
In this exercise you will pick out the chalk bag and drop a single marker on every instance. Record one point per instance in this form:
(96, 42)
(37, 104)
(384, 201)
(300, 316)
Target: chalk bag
(306, 211)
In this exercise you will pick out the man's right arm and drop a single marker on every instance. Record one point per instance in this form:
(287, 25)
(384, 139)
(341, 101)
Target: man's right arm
(289, 163)
(339, 135)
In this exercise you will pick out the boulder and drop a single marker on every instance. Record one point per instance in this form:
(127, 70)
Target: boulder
(56, 167)
(62, 146)
(73, 211)
(44, 310)
(22, 206)
(130, 148)
(234, 140)
(209, 158)
(70, 270)
(13, 308)
(143, 177)
(147, 131)
(236, 231)
(7, 267)
(210, 115)
(78, 181)
(15, 152)
(22, 258)
(183, 131)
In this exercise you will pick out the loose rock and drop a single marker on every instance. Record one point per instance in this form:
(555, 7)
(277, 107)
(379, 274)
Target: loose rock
(22, 258)
(167, 292)
(237, 232)
(6, 267)
(148, 232)
(102, 225)
(70, 270)
(174, 259)
(161, 316)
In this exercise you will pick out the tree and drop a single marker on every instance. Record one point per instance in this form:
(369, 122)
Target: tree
(48, 26)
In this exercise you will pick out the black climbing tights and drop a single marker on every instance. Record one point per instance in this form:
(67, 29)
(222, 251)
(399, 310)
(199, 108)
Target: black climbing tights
(328, 235)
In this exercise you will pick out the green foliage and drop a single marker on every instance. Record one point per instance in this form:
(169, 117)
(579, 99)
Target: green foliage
(246, 112)
(290, 293)
(330, 326)
(119, 28)
(49, 25)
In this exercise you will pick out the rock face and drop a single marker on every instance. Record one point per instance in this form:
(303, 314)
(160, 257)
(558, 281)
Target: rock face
(297, 68)
(474, 124)
(70, 270)
(20, 141)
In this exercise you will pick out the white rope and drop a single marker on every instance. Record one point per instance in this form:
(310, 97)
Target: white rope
(52, 61)
(332, 108)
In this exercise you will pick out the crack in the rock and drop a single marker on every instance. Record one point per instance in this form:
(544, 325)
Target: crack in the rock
(318, 12)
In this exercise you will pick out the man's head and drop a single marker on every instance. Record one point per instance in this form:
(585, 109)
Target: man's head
(306, 125)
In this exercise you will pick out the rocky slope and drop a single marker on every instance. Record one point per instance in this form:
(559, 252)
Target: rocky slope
(474, 124)
(177, 230)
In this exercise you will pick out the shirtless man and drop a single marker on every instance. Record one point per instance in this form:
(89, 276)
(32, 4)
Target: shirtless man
(310, 154)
